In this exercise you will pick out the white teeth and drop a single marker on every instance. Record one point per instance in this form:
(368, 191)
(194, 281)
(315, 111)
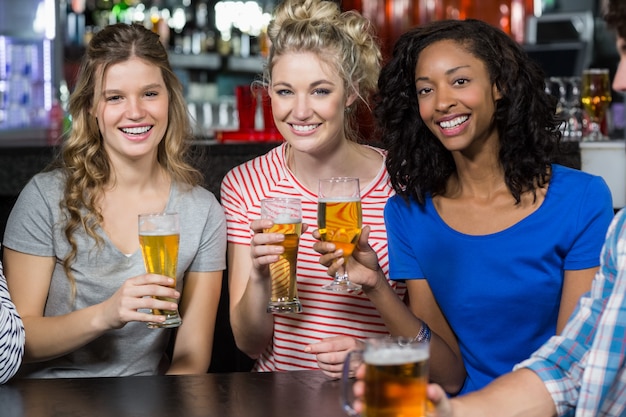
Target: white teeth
(306, 128)
(454, 122)
(136, 130)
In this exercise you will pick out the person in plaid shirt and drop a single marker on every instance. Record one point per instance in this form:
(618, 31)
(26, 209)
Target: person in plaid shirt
(582, 371)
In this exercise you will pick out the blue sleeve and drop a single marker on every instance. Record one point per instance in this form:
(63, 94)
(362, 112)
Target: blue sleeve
(595, 216)
(403, 263)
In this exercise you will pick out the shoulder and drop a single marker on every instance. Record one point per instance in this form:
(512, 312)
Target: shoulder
(576, 182)
(53, 178)
(45, 186)
(196, 196)
(402, 206)
(571, 175)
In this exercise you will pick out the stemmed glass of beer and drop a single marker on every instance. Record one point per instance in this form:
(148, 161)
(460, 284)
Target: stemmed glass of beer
(286, 213)
(339, 220)
(159, 236)
(595, 98)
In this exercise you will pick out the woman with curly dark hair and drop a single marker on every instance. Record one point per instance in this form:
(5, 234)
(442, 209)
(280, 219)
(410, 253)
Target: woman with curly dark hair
(495, 241)
(583, 370)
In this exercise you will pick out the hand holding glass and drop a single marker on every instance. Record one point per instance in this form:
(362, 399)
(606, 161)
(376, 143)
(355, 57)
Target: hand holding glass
(595, 97)
(396, 376)
(339, 220)
(159, 236)
(286, 213)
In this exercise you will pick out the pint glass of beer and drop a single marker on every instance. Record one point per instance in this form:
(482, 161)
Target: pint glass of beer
(158, 237)
(286, 213)
(396, 376)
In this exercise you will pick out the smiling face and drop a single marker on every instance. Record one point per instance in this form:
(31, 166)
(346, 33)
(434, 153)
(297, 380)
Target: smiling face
(308, 101)
(456, 97)
(132, 110)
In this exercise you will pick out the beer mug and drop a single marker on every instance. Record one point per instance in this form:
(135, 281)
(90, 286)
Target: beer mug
(286, 213)
(396, 376)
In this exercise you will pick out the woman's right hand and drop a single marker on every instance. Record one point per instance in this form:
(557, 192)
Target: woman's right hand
(265, 248)
(138, 293)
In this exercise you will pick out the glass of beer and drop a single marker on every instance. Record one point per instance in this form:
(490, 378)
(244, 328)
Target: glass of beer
(286, 213)
(396, 376)
(595, 98)
(339, 220)
(159, 236)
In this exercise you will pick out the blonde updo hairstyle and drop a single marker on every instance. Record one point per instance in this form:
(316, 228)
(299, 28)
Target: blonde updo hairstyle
(344, 41)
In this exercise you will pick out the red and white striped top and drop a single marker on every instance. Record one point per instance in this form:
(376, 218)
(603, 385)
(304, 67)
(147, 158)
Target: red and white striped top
(325, 314)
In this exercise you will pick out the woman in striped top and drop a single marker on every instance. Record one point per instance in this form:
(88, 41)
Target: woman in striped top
(323, 65)
(11, 334)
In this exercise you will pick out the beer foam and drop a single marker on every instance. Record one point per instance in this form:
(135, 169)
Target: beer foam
(394, 356)
(339, 200)
(286, 218)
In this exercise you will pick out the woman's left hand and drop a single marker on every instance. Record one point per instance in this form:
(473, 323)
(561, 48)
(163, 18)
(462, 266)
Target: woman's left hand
(363, 267)
(331, 353)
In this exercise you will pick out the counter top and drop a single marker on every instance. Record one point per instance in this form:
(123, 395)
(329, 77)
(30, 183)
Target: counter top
(239, 394)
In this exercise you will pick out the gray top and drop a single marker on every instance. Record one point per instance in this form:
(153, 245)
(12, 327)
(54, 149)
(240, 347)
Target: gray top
(35, 226)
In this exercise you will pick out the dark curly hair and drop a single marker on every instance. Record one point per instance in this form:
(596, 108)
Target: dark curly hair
(525, 116)
(615, 16)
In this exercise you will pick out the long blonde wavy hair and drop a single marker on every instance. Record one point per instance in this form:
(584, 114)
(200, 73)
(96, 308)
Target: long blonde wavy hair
(83, 158)
(345, 41)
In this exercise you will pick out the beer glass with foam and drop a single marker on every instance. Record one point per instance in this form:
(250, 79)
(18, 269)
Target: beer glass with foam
(286, 213)
(159, 236)
(396, 376)
(339, 220)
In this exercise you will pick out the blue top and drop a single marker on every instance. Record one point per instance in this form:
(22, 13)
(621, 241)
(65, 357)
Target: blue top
(501, 292)
(584, 368)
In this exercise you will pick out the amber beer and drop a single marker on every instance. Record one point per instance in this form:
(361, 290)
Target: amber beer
(286, 213)
(596, 92)
(395, 382)
(159, 240)
(340, 222)
(283, 272)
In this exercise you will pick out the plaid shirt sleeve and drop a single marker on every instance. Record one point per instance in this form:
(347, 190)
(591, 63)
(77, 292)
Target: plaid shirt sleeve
(583, 368)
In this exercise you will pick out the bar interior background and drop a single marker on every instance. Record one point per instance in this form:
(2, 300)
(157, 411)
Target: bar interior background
(215, 46)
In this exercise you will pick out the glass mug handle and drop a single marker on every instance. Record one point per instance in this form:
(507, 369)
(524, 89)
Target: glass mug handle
(353, 360)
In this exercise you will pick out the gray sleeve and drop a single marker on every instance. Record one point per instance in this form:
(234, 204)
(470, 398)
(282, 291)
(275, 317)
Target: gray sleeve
(208, 219)
(30, 226)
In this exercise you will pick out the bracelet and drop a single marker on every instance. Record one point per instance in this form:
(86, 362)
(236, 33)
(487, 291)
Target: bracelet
(424, 334)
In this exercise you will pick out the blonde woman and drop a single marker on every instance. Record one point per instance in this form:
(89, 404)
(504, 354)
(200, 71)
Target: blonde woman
(72, 257)
(323, 65)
